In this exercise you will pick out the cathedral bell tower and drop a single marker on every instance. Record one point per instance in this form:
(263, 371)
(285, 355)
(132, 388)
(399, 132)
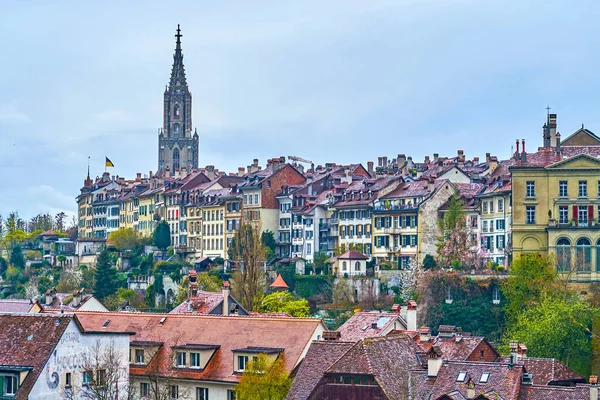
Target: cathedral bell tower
(177, 146)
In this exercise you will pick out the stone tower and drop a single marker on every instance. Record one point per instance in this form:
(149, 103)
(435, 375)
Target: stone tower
(177, 147)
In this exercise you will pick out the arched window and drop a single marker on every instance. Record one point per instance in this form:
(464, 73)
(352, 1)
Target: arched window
(584, 255)
(344, 266)
(357, 266)
(563, 254)
(176, 111)
(175, 159)
(175, 130)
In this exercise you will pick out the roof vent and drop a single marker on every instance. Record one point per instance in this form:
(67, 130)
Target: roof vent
(162, 320)
(106, 323)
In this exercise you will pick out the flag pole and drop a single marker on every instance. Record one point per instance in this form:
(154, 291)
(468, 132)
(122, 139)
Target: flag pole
(105, 166)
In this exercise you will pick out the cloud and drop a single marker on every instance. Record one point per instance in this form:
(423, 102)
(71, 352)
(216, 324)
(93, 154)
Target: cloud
(12, 114)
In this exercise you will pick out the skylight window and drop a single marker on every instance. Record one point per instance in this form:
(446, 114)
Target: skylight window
(162, 320)
(484, 377)
(106, 323)
(461, 377)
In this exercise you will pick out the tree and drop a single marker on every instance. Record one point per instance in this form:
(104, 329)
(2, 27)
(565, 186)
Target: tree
(343, 294)
(106, 276)
(162, 235)
(3, 267)
(531, 277)
(319, 262)
(206, 282)
(59, 221)
(556, 327)
(248, 254)
(342, 248)
(43, 285)
(16, 257)
(287, 303)
(61, 259)
(429, 262)
(124, 239)
(108, 385)
(456, 246)
(264, 379)
(268, 240)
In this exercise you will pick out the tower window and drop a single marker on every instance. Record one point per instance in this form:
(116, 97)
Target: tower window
(176, 130)
(175, 158)
(176, 111)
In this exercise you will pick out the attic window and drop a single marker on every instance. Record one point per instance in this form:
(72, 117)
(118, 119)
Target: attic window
(106, 323)
(461, 377)
(484, 377)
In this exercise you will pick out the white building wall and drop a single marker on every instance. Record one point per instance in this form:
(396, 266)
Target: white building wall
(69, 356)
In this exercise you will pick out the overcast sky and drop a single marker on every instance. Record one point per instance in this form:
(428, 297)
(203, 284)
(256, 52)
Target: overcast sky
(331, 81)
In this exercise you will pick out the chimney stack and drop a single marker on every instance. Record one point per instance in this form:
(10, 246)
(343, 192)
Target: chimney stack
(426, 160)
(436, 157)
(521, 351)
(593, 387)
(401, 159)
(512, 359)
(557, 142)
(424, 334)
(370, 167)
(225, 289)
(385, 161)
(523, 143)
(331, 335)
(411, 316)
(241, 171)
(138, 177)
(475, 160)
(552, 121)
(434, 361)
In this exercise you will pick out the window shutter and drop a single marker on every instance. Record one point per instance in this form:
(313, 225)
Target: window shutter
(575, 215)
(590, 213)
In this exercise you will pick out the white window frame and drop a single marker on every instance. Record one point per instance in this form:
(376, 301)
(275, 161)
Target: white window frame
(192, 356)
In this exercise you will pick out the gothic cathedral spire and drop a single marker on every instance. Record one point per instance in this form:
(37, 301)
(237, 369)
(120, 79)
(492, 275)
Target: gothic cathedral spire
(177, 147)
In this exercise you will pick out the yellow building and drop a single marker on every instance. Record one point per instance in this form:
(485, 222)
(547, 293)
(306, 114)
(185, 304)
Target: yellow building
(146, 222)
(556, 199)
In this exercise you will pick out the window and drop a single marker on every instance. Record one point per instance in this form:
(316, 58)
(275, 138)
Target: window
(598, 256)
(582, 188)
(485, 207)
(582, 216)
(139, 356)
(357, 266)
(308, 249)
(174, 391)
(563, 254)
(481, 355)
(101, 376)
(201, 393)
(175, 130)
(231, 394)
(145, 389)
(175, 158)
(563, 189)
(195, 360)
(500, 242)
(491, 206)
(68, 379)
(500, 205)
(242, 361)
(563, 214)
(499, 224)
(530, 215)
(344, 266)
(584, 255)
(484, 226)
(530, 189)
(181, 359)
(87, 377)
(11, 385)
(484, 377)
(461, 377)
(256, 198)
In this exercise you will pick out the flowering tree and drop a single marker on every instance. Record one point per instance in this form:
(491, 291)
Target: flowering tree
(456, 246)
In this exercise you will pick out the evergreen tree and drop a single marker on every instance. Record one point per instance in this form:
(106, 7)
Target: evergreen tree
(16, 257)
(106, 276)
(162, 235)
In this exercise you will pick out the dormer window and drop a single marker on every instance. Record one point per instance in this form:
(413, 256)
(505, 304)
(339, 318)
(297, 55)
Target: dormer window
(194, 360)
(242, 361)
(180, 359)
(139, 356)
(11, 385)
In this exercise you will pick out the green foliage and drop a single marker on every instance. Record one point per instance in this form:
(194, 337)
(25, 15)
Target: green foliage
(429, 262)
(206, 282)
(16, 257)
(268, 240)
(285, 302)
(319, 263)
(531, 277)
(106, 276)
(43, 284)
(248, 253)
(310, 286)
(264, 380)
(33, 255)
(124, 239)
(14, 276)
(162, 235)
(556, 327)
(3, 267)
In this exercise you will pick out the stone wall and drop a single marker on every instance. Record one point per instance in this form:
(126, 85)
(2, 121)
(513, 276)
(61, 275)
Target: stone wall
(428, 221)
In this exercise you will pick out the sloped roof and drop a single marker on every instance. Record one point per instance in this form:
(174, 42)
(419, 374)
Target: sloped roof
(452, 350)
(319, 358)
(546, 371)
(15, 306)
(203, 303)
(353, 255)
(535, 392)
(229, 332)
(27, 340)
(360, 325)
(279, 283)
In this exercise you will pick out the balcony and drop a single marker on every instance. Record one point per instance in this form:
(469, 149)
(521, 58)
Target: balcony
(593, 224)
(402, 209)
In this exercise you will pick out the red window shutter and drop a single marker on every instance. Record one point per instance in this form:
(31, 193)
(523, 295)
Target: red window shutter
(176, 214)
(590, 212)
(575, 215)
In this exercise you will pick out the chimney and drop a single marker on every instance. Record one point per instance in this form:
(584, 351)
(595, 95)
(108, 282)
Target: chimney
(512, 359)
(426, 160)
(557, 142)
(331, 335)
(523, 143)
(76, 298)
(521, 351)
(436, 157)
(380, 161)
(401, 159)
(370, 167)
(385, 161)
(396, 309)
(517, 154)
(424, 334)
(552, 121)
(434, 361)
(411, 316)
(138, 177)
(241, 171)
(193, 289)
(458, 337)
(50, 295)
(210, 172)
(475, 160)
(487, 158)
(593, 387)
(225, 291)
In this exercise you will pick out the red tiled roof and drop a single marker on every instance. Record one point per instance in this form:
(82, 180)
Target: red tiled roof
(359, 326)
(319, 358)
(353, 255)
(546, 371)
(291, 334)
(203, 303)
(27, 340)
(279, 283)
(452, 350)
(535, 392)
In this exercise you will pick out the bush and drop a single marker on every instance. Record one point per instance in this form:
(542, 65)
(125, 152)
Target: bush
(308, 286)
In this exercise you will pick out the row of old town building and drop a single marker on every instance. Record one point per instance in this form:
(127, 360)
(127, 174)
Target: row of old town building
(546, 201)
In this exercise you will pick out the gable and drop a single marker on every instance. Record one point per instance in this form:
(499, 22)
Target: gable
(455, 175)
(581, 161)
(582, 137)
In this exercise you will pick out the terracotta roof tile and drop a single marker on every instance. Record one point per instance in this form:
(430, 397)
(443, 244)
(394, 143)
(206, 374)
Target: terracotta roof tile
(15, 306)
(360, 325)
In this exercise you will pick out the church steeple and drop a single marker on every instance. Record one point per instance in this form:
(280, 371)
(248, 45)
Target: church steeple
(177, 144)
(178, 70)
